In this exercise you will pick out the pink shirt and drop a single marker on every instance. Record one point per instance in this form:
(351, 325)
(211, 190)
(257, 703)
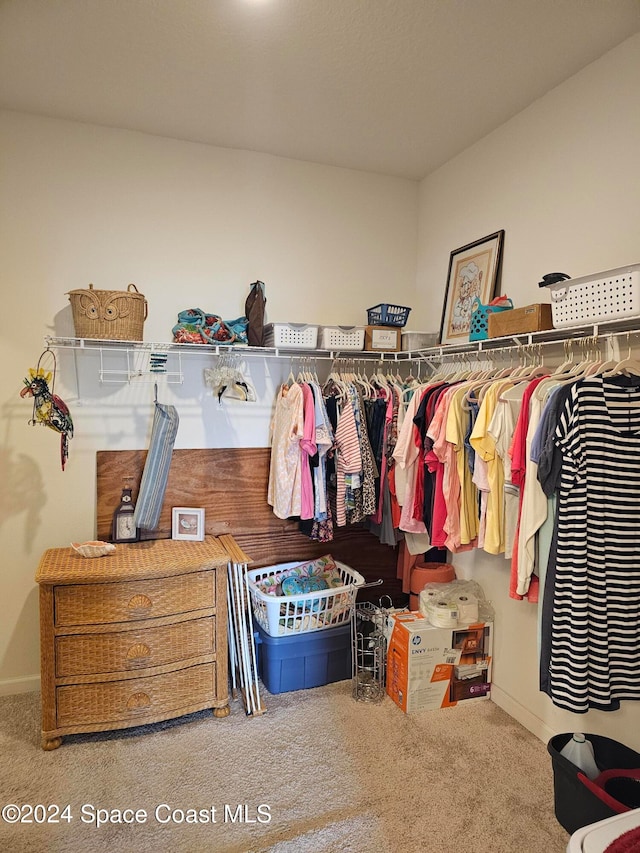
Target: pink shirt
(436, 462)
(307, 448)
(407, 456)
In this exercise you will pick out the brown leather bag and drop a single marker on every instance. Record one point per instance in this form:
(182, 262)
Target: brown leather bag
(254, 311)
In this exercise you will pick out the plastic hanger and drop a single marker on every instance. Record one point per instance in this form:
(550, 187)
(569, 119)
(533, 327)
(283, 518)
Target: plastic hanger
(335, 383)
(628, 366)
(568, 364)
(608, 364)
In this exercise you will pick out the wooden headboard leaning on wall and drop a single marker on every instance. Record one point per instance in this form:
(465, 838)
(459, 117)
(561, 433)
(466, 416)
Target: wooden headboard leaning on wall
(231, 485)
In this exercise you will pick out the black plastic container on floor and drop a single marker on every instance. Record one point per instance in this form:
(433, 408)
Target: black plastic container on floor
(579, 803)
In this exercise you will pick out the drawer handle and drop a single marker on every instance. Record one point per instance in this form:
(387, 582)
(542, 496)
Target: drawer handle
(138, 701)
(139, 601)
(139, 650)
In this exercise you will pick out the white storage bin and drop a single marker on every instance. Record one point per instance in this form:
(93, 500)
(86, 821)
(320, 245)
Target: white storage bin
(281, 615)
(291, 335)
(610, 295)
(342, 337)
(412, 341)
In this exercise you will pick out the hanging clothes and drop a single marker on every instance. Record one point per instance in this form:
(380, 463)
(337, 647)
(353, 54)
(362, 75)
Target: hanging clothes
(458, 418)
(348, 459)
(308, 453)
(519, 457)
(591, 641)
(502, 428)
(324, 442)
(365, 495)
(284, 492)
(485, 447)
(407, 457)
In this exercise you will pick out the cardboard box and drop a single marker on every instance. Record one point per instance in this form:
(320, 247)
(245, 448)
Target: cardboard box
(430, 668)
(382, 338)
(532, 318)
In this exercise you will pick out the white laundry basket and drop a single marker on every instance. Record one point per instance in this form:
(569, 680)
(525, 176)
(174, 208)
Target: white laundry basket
(281, 615)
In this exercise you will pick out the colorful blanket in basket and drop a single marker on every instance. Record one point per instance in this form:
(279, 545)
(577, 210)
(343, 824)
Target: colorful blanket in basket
(323, 568)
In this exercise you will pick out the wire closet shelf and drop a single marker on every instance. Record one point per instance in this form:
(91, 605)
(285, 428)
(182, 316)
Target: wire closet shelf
(143, 359)
(629, 325)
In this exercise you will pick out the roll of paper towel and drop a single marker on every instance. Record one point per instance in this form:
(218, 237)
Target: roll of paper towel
(427, 597)
(467, 605)
(442, 613)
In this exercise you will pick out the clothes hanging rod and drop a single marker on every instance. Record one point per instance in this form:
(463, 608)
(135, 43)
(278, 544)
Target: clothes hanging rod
(529, 340)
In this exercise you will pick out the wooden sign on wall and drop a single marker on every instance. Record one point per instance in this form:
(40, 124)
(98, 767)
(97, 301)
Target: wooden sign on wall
(230, 484)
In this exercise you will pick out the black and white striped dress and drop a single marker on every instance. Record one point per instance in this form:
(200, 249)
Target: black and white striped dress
(594, 654)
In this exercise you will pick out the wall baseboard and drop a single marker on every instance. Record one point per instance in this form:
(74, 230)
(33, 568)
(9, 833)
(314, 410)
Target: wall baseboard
(534, 724)
(28, 684)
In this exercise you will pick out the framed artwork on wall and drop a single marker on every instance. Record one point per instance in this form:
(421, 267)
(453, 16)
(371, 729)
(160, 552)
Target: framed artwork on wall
(187, 523)
(473, 271)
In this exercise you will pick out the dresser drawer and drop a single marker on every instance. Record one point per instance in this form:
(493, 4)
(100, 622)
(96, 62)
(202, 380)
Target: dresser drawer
(88, 654)
(99, 603)
(135, 700)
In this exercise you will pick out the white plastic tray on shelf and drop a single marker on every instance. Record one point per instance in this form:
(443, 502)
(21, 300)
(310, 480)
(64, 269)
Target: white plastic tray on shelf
(291, 335)
(341, 337)
(610, 295)
(281, 615)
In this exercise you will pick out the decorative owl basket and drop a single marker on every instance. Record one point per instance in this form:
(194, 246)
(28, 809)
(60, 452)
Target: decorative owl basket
(109, 315)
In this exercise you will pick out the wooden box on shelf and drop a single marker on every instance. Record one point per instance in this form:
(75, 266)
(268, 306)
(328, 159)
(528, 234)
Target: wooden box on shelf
(131, 638)
(517, 321)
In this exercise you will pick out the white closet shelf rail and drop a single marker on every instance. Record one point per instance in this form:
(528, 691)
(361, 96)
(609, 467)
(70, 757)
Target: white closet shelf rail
(94, 344)
(122, 362)
(614, 328)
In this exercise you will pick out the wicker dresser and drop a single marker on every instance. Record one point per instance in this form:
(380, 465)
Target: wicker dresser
(134, 637)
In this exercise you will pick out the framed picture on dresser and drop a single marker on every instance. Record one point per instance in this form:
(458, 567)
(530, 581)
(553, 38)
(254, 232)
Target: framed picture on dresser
(187, 523)
(473, 272)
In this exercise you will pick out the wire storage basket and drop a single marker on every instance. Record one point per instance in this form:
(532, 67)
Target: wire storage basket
(369, 653)
(281, 615)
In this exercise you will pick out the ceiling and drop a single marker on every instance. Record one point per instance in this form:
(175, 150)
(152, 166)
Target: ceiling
(396, 87)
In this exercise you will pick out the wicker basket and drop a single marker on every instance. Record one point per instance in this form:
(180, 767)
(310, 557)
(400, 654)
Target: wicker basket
(109, 315)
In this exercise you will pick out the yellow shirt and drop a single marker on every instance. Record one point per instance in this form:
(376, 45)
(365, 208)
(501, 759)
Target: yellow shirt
(457, 422)
(484, 444)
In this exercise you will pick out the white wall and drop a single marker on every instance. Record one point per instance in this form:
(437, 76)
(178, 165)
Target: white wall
(563, 180)
(192, 226)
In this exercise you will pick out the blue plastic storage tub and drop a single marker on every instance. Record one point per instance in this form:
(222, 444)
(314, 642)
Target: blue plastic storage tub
(304, 660)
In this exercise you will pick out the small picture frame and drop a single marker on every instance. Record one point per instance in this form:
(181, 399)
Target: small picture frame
(473, 272)
(187, 523)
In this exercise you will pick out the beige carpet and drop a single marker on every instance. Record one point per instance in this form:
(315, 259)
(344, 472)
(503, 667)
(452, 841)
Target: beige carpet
(335, 774)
